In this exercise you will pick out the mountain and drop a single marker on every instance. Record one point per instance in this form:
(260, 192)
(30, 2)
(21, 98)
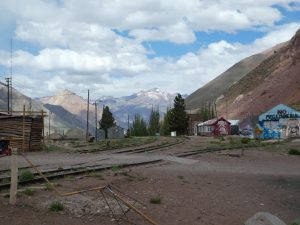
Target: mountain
(121, 107)
(74, 104)
(140, 102)
(255, 84)
(215, 88)
(60, 119)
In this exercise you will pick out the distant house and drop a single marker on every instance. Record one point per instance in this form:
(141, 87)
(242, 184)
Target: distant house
(114, 132)
(214, 127)
(279, 122)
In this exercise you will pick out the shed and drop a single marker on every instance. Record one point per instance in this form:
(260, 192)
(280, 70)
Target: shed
(11, 132)
(234, 127)
(114, 132)
(214, 127)
(279, 122)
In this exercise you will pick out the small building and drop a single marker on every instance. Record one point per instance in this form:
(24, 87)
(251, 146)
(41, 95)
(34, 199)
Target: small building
(22, 132)
(234, 127)
(279, 122)
(114, 132)
(214, 127)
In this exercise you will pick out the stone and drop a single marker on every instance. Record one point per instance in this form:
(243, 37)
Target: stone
(264, 218)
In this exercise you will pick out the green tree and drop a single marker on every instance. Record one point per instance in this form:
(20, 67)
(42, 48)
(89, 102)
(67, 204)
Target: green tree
(165, 124)
(107, 120)
(139, 126)
(179, 118)
(154, 125)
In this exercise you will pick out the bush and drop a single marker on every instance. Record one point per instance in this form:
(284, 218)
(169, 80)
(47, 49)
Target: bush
(26, 175)
(245, 140)
(293, 151)
(28, 191)
(56, 206)
(155, 200)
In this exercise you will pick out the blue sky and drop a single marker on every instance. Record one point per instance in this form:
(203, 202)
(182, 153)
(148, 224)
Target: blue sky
(120, 47)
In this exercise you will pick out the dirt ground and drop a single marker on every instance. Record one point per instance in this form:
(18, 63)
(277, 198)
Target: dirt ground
(208, 189)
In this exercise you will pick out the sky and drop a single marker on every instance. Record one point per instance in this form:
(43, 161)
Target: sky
(118, 47)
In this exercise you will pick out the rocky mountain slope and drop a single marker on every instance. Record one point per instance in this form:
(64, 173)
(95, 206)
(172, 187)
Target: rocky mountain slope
(215, 88)
(275, 80)
(255, 84)
(60, 119)
(140, 102)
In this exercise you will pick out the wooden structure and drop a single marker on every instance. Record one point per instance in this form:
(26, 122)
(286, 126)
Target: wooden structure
(22, 132)
(214, 127)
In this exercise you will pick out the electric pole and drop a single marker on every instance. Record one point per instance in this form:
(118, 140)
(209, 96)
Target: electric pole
(49, 125)
(8, 81)
(87, 116)
(96, 121)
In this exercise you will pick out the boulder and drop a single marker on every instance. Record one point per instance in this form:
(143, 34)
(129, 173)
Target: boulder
(264, 218)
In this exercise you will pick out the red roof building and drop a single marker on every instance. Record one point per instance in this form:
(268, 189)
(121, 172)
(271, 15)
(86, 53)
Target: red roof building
(214, 127)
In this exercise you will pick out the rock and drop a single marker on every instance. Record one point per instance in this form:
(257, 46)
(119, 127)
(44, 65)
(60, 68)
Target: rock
(264, 218)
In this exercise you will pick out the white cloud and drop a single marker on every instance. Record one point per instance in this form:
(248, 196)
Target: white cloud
(79, 47)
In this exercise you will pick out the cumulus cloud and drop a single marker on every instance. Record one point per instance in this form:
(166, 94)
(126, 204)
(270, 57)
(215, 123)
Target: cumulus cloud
(101, 44)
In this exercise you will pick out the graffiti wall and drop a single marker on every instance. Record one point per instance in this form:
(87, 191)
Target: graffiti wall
(279, 122)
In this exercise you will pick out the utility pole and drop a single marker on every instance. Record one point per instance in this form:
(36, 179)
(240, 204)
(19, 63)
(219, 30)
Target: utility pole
(49, 125)
(96, 121)
(87, 116)
(8, 81)
(128, 130)
(11, 71)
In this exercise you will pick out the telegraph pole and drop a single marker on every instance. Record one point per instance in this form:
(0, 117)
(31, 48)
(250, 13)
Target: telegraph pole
(49, 125)
(96, 121)
(11, 71)
(8, 80)
(87, 116)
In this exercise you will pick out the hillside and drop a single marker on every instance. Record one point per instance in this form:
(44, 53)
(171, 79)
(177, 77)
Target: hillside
(215, 88)
(255, 84)
(275, 80)
(60, 119)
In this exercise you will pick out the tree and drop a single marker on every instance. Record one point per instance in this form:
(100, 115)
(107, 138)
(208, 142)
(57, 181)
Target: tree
(154, 125)
(139, 126)
(165, 124)
(179, 118)
(107, 120)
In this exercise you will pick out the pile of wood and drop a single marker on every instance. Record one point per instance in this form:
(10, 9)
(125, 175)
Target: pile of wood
(11, 129)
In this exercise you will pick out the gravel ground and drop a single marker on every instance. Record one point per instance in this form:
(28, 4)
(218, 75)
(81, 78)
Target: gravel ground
(212, 188)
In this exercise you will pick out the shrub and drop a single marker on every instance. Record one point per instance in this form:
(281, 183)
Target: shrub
(28, 191)
(56, 206)
(155, 200)
(293, 151)
(26, 175)
(245, 140)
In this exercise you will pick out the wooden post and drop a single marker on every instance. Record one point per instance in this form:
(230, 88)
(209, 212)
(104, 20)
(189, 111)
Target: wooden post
(14, 177)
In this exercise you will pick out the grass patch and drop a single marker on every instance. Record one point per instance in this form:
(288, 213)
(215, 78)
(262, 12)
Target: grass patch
(155, 200)
(96, 174)
(115, 168)
(52, 148)
(49, 187)
(29, 191)
(293, 151)
(56, 206)
(25, 175)
(70, 178)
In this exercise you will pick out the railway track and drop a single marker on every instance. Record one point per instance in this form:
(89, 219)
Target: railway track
(62, 172)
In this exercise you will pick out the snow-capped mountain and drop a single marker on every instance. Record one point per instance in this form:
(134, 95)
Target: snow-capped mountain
(121, 107)
(140, 102)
